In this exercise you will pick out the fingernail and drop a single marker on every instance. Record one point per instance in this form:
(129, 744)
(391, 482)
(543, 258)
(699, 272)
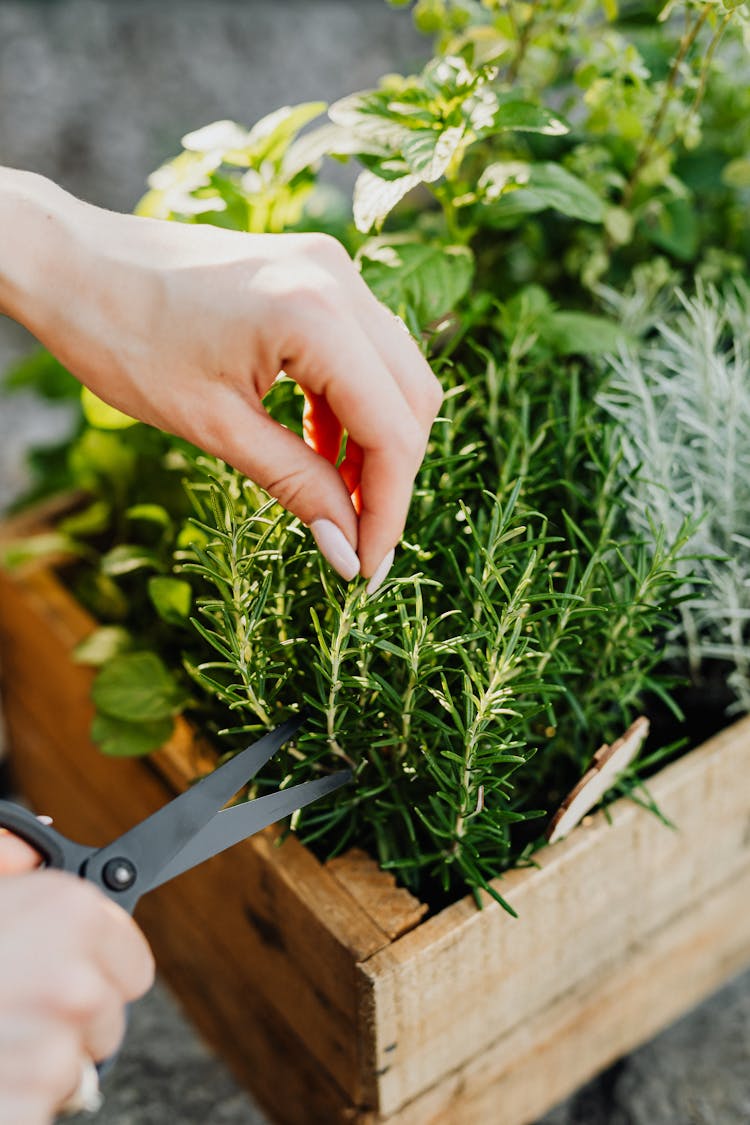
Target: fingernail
(336, 548)
(381, 573)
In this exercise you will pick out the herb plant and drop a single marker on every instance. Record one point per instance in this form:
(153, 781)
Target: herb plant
(681, 400)
(545, 149)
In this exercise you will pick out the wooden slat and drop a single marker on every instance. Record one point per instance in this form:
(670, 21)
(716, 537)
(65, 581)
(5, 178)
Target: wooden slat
(464, 978)
(545, 1059)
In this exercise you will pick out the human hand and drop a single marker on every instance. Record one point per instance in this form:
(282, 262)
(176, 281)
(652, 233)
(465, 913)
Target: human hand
(69, 961)
(187, 327)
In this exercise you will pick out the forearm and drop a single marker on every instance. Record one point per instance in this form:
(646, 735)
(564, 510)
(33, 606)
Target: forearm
(36, 242)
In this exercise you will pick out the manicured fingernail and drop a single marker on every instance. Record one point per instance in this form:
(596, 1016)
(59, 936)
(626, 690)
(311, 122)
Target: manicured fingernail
(381, 573)
(336, 548)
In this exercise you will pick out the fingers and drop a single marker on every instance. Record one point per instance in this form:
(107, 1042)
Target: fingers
(401, 356)
(306, 483)
(346, 369)
(40, 1061)
(362, 372)
(16, 855)
(71, 953)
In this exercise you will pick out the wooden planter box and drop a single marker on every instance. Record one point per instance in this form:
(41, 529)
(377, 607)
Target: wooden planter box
(301, 974)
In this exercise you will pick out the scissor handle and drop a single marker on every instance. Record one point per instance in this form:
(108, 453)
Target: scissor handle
(40, 836)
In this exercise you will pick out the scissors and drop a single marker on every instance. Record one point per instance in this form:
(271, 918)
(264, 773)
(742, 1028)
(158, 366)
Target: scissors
(183, 833)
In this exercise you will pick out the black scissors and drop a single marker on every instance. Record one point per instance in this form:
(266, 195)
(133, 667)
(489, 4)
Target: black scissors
(181, 834)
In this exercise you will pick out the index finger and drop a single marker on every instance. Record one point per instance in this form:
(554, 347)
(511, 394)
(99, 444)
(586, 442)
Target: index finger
(347, 370)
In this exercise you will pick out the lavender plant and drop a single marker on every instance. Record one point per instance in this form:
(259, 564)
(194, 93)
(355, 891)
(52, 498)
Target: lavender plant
(681, 400)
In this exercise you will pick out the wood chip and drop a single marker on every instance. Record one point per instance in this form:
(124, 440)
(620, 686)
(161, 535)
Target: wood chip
(606, 765)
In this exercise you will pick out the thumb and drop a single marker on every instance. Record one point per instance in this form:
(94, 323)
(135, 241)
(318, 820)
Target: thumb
(16, 856)
(303, 481)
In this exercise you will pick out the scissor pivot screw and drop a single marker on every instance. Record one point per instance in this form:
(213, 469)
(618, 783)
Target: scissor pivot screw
(119, 874)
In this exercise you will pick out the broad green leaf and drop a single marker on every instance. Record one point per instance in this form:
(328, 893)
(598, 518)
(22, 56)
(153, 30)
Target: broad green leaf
(137, 687)
(578, 333)
(172, 598)
(736, 173)
(34, 547)
(674, 227)
(101, 414)
(121, 739)
(89, 521)
(149, 513)
(428, 152)
(269, 138)
(375, 198)
(102, 645)
(526, 117)
(541, 186)
(127, 557)
(42, 373)
(100, 454)
(413, 277)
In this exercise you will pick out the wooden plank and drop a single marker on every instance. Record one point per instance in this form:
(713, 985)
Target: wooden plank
(394, 909)
(300, 932)
(545, 1059)
(464, 978)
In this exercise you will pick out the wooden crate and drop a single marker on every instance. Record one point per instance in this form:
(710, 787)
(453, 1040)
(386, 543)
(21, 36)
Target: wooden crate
(320, 985)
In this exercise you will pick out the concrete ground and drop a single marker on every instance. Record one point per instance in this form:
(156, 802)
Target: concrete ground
(96, 93)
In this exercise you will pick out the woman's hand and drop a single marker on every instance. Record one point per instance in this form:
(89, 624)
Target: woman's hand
(69, 962)
(187, 327)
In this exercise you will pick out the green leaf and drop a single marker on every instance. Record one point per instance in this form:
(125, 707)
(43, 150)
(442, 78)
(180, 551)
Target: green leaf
(101, 414)
(89, 521)
(736, 173)
(121, 739)
(578, 333)
(127, 557)
(525, 117)
(102, 645)
(674, 227)
(426, 280)
(172, 598)
(540, 186)
(38, 547)
(137, 687)
(42, 373)
(100, 455)
(374, 198)
(149, 513)
(428, 152)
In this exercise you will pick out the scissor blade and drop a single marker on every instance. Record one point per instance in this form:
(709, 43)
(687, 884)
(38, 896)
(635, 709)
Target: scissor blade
(233, 825)
(156, 840)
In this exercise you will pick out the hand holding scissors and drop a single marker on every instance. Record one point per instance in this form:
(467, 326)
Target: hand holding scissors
(182, 834)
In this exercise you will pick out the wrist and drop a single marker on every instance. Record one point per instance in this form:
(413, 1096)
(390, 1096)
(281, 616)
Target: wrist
(36, 237)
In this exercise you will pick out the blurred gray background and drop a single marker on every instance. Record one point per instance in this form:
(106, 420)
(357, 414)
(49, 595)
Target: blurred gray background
(96, 94)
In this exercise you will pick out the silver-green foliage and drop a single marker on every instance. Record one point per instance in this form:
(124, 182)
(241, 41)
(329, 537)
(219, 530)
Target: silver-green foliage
(682, 400)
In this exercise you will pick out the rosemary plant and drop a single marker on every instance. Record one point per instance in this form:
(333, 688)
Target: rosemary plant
(519, 624)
